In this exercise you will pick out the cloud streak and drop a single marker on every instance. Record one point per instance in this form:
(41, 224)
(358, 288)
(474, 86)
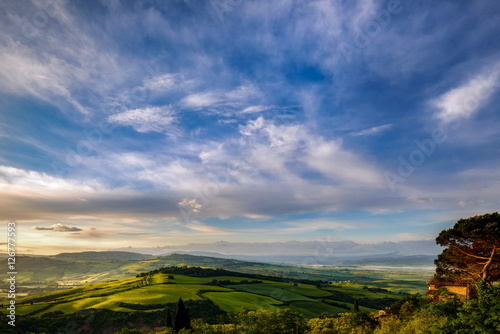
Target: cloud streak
(465, 100)
(58, 228)
(151, 119)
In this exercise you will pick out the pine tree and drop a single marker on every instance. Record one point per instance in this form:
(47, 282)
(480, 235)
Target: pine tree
(169, 319)
(355, 308)
(472, 249)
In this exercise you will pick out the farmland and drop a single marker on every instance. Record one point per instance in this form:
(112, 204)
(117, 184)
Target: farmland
(230, 291)
(113, 288)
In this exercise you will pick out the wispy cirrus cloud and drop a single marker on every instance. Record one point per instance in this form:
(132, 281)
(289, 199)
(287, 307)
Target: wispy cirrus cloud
(151, 119)
(262, 100)
(373, 130)
(245, 99)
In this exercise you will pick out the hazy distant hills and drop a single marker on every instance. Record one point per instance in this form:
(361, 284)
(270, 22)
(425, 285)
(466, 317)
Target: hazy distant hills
(87, 267)
(399, 261)
(300, 252)
(100, 256)
(390, 259)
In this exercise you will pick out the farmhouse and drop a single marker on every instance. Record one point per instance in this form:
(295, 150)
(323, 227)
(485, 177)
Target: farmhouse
(459, 287)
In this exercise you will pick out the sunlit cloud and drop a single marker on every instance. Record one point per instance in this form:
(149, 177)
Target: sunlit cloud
(465, 100)
(58, 228)
(187, 127)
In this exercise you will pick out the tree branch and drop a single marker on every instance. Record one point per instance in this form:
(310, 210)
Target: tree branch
(475, 256)
(486, 269)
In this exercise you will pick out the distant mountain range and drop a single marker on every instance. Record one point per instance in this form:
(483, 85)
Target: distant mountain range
(302, 252)
(100, 256)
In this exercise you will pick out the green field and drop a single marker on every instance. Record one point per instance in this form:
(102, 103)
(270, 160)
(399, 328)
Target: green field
(271, 291)
(313, 309)
(122, 295)
(237, 301)
(302, 289)
(229, 291)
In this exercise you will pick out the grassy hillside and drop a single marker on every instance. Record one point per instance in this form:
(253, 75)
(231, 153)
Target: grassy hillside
(226, 291)
(46, 274)
(88, 267)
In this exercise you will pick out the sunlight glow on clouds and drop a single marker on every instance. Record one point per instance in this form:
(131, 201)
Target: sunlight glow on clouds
(58, 228)
(252, 122)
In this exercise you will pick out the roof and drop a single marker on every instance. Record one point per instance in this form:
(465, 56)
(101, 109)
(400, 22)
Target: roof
(431, 292)
(455, 282)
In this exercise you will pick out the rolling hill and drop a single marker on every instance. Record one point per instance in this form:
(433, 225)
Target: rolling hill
(45, 274)
(123, 288)
(229, 291)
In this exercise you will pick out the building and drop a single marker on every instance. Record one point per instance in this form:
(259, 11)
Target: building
(459, 287)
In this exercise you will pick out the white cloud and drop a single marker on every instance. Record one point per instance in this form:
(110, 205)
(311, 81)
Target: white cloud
(243, 93)
(160, 83)
(59, 62)
(50, 81)
(201, 100)
(17, 181)
(465, 100)
(228, 101)
(254, 109)
(372, 131)
(151, 119)
(287, 143)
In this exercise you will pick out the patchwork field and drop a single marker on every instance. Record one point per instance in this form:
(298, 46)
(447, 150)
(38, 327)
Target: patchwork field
(308, 290)
(228, 293)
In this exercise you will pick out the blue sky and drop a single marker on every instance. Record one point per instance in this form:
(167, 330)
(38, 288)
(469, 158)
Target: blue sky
(159, 123)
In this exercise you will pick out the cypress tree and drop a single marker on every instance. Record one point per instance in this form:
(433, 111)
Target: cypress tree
(355, 308)
(169, 319)
(182, 317)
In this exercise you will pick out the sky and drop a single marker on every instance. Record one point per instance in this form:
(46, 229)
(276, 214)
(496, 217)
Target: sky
(163, 123)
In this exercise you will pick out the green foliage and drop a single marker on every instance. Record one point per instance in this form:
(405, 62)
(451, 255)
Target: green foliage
(481, 315)
(330, 325)
(407, 309)
(168, 331)
(215, 329)
(408, 304)
(472, 248)
(389, 325)
(266, 322)
(361, 319)
(423, 322)
(129, 331)
(355, 308)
